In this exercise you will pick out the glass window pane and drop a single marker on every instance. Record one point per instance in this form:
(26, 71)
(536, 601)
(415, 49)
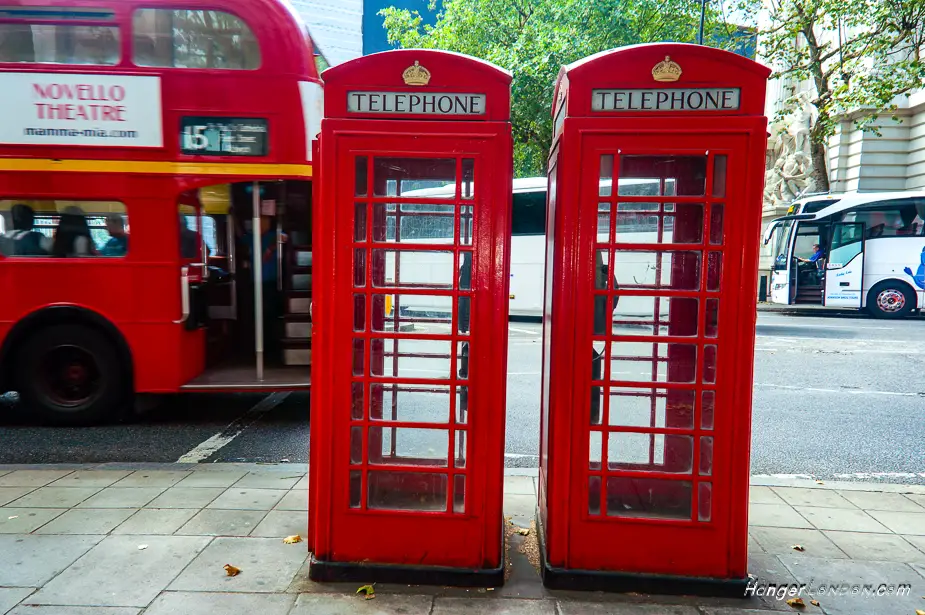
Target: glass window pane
(459, 450)
(59, 44)
(459, 493)
(709, 364)
(704, 501)
(653, 362)
(413, 358)
(606, 175)
(415, 177)
(714, 270)
(462, 360)
(707, 404)
(359, 267)
(356, 398)
(650, 452)
(410, 402)
(193, 39)
(601, 265)
(468, 179)
(361, 176)
(359, 222)
(603, 222)
(356, 488)
(528, 216)
(712, 323)
(79, 229)
(594, 495)
(647, 315)
(359, 312)
(651, 498)
(462, 405)
(662, 175)
(668, 269)
(414, 223)
(412, 269)
(356, 445)
(597, 405)
(632, 407)
(719, 176)
(716, 224)
(411, 446)
(466, 221)
(595, 444)
(359, 358)
(412, 314)
(646, 223)
(406, 491)
(465, 270)
(706, 455)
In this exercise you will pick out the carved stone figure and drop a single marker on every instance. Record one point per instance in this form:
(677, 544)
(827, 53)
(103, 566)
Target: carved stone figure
(789, 165)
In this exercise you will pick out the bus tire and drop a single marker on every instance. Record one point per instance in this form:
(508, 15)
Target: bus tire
(890, 299)
(70, 375)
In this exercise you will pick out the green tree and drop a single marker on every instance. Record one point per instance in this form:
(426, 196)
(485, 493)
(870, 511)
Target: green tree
(534, 38)
(856, 55)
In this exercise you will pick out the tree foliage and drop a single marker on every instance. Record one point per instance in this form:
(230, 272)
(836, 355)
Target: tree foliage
(534, 38)
(857, 56)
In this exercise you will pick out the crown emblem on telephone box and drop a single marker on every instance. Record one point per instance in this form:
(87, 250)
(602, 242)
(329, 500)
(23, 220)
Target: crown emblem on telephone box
(667, 70)
(416, 75)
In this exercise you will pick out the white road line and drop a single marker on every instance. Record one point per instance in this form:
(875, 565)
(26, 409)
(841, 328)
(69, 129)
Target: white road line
(853, 475)
(536, 333)
(839, 391)
(231, 431)
(520, 456)
(788, 324)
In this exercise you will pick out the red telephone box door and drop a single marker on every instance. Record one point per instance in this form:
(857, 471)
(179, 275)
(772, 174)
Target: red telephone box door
(652, 465)
(413, 384)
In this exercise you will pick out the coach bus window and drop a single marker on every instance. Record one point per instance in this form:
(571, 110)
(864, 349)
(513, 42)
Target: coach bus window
(193, 39)
(67, 229)
(59, 44)
(528, 216)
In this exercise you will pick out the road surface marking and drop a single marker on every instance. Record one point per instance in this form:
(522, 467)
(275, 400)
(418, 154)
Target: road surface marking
(231, 431)
(520, 456)
(852, 475)
(784, 323)
(536, 333)
(839, 391)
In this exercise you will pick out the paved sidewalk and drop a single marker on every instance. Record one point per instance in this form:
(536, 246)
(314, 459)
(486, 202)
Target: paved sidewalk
(152, 539)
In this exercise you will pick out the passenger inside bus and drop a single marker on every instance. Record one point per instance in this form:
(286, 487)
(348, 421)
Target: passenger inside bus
(118, 239)
(272, 301)
(23, 239)
(72, 237)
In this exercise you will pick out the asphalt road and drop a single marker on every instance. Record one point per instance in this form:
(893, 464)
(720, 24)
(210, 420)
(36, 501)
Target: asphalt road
(836, 396)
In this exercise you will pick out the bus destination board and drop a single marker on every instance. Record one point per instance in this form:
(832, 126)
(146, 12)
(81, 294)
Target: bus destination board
(223, 136)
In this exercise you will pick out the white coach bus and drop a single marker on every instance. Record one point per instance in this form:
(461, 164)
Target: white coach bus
(870, 254)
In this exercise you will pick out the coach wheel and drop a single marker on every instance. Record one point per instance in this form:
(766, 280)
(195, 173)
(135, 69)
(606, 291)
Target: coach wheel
(70, 375)
(890, 300)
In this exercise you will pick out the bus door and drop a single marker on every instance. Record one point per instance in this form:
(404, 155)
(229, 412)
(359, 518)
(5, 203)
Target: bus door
(780, 275)
(806, 278)
(844, 273)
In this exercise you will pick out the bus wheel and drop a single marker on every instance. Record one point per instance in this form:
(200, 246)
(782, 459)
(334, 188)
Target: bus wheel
(70, 375)
(890, 299)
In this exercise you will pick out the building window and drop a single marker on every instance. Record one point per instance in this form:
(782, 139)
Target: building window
(193, 39)
(65, 229)
(59, 44)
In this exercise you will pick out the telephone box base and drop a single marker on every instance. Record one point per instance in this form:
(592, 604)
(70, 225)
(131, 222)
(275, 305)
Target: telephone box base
(335, 572)
(620, 582)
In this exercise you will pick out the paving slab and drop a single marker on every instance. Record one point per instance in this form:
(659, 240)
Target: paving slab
(122, 497)
(11, 596)
(223, 523)
(153, 478)
(87, 521)
(753, 545)
(186, 497)
(918, 498)
(725, 610)
(521, 508)
(776, 515)
(816, 572)
(493, 606)
(91, 478)
(269, 480)
(9, 494)
(237, 498)
(876, 547)
(383, 604)
(212, 478)
(26, 520)
(155, 521)
(919, 569)
(31, 478)
(208, 603)
(117, 573)
(841, 519)
(520, 485)
(916, 541)
(294, 500)
(282, 523)
(55, 497)
(569, 607)
(912, 523)
(876, 500)
(267, 565)
(302, 485)
(73, 610)
(763, 495)
(781, 540)
(31, 560)
(795, 496)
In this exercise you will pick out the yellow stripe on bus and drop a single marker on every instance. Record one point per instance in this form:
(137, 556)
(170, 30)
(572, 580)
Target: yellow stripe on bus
(155, 166)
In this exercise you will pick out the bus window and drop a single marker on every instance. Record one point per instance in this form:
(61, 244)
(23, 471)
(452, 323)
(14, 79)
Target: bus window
(781, 244)
(529, 213)
(64, 228)
(181, 38)
(190, 234)
(808, 235)
(59, 44)
(893, 218)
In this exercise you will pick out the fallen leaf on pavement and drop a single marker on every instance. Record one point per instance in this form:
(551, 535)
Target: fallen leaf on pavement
(291, 540)
(814, 602)
(919, 612)
(13, 517)
(819, 482)
(799, 548)
(142, 547)
(796, 603)
(523, 531)
(231, 571)
(369, 590)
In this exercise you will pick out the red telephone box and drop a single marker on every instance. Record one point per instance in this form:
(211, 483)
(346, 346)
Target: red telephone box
(653, 218)
(408, 389)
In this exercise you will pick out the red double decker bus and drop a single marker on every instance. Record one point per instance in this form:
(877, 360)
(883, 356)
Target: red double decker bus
(155, 200)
